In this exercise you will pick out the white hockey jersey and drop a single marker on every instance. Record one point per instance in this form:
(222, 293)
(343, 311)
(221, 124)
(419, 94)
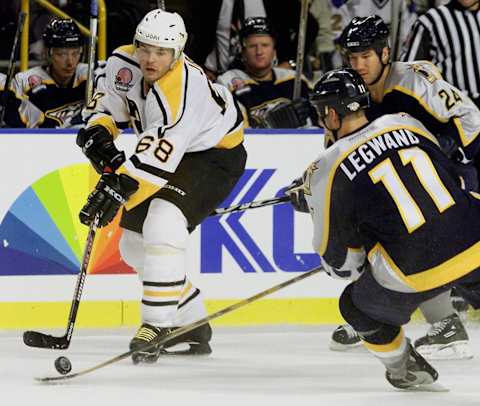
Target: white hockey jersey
(183, 112)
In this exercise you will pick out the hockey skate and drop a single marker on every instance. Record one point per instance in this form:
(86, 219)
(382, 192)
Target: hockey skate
(344, 338)
(446, 339)
(195, 341)
(415, 374)
(147, 334)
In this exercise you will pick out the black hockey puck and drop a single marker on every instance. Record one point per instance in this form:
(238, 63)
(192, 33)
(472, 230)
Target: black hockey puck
(63, 365)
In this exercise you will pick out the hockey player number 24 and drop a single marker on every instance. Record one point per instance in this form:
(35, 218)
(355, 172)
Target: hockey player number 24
(411, 214)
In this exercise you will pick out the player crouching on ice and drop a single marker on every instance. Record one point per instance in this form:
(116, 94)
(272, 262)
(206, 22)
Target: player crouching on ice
(386, 202)
(188, 158)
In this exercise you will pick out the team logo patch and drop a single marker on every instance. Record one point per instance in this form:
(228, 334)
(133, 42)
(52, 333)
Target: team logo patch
(35, 83)
(380, 3)
(123, 78)
(237, 83)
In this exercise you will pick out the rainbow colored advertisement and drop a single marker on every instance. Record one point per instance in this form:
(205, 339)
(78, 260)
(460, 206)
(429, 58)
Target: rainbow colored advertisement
(41, 233)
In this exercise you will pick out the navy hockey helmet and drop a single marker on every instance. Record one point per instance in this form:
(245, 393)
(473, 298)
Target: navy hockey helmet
(341, 89)
(363, 33)
(62, 33)
(256, 26)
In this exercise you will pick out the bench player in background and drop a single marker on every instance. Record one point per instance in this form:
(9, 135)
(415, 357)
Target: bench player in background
(385, 202)
(260, 86)
(188, 157)
(54, 95)
(417, 88)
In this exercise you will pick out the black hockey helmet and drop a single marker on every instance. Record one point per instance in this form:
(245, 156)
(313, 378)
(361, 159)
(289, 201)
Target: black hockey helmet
(62, 33)
(363, 33)
(341, 89)
(256, 26)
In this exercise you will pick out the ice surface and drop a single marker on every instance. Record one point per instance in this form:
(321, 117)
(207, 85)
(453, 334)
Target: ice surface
(249, 366)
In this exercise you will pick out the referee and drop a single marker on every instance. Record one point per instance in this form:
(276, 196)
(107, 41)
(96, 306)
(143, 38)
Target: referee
(449, 36)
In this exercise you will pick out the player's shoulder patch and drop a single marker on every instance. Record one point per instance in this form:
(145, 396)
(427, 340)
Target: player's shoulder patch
(412, 77)
(236, 80)
(427, 70)
(34, 79)
(123, 79)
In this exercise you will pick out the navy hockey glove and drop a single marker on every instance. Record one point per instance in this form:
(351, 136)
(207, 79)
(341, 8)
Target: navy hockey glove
(295, 192)
(111, 192)
(98, 146)
(291, 114)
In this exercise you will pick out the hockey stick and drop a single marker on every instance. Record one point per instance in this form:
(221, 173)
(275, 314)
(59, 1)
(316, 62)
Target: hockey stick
(41, 340)
(185, 329)
(250, 205)
(302, 29)
(11, 66)
(92, 46)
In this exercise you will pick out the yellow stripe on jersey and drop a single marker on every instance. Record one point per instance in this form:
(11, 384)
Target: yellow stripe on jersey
(232, 139)
(145, 190)
(171, 86)
(128, 49)
(107, 122)
(186, 289)
(153, 293)
(463, 137)
(448, 271)
(390, 347)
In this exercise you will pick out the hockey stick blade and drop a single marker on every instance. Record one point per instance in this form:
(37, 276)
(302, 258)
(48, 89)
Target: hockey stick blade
(182, 330)
(41, 340)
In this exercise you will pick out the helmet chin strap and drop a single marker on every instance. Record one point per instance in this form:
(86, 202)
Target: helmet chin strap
(379, 76)
(334, 131)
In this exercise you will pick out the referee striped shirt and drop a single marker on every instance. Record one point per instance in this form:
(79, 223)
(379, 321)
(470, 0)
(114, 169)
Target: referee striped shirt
(449, 36)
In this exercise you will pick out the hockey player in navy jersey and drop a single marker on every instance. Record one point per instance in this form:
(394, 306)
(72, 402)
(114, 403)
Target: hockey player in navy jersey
(54, 95)
(385, 202)
(188, 157)
(418, 89)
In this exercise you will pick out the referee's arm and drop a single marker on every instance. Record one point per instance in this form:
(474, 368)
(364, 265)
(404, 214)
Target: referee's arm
(418, 45)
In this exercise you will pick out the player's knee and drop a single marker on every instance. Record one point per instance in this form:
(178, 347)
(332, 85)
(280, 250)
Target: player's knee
(350, 313)
(370, 330)
(165, 225)
(131, 249)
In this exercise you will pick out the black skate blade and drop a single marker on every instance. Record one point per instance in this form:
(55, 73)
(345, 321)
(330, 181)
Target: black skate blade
(41, 340)
(186, 349)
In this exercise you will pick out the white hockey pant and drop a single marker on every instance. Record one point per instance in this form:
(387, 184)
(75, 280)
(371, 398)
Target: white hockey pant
(158, 256)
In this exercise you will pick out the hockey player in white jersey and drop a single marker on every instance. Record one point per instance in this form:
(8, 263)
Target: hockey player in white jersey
(188, 157)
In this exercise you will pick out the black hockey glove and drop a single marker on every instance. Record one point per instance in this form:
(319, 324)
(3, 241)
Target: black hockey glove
(111, 192)
(98, 146)
(295, 192)
(292, 114)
